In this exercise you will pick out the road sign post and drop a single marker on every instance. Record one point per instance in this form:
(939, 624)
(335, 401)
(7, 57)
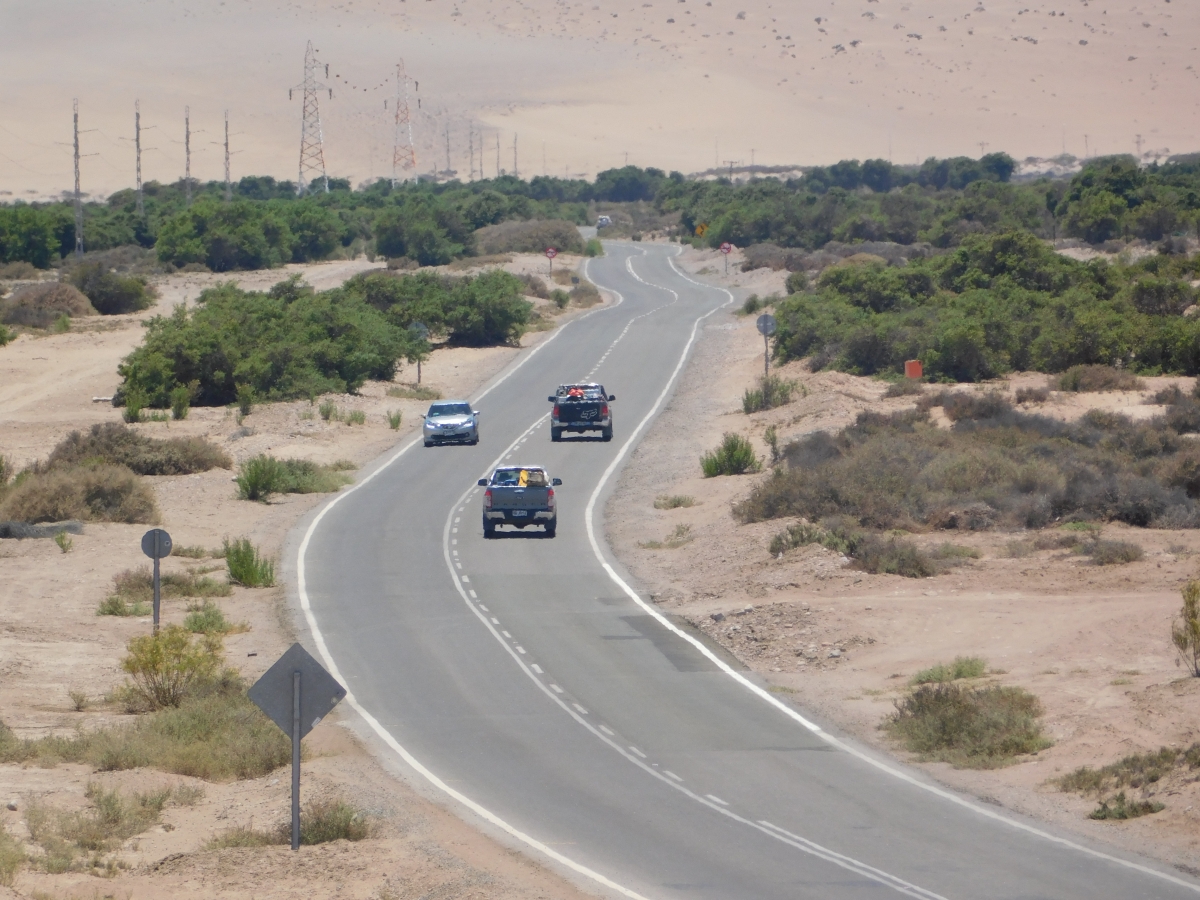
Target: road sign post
(421, 331)
(551, 252)
(296, 693)
(156, 544)
(766, 327)
(726, 248)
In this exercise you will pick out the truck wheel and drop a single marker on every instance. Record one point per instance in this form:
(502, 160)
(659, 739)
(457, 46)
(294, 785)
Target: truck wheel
(429, 443)
(556, 434)
(551, 527)
(489, 530)
(606, 434)
(475, 440)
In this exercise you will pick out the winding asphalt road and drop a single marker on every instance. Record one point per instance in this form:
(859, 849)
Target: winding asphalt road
(526, 679)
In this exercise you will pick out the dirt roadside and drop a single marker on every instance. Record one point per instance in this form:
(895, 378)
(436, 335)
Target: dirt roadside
(52, 642)
(1091, 642)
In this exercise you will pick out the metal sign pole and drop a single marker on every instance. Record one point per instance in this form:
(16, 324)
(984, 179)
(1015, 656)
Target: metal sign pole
(156, 544)
(296, 760)
(157, 593)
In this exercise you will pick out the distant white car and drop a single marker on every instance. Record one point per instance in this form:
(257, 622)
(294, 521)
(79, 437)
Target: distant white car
(451, 421)
(603, 222)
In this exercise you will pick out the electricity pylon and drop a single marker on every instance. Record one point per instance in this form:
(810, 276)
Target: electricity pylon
(404, 153)
(312, 141)
(137, 144)
(78, 197)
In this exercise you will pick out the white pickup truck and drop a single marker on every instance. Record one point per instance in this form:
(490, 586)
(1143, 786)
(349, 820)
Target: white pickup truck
(520, 496)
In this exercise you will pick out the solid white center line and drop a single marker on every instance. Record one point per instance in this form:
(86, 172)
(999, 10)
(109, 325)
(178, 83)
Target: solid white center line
(536, 668)
(716, 799)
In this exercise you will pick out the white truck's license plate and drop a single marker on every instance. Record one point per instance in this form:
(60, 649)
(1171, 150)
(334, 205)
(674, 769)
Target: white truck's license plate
(517, 513)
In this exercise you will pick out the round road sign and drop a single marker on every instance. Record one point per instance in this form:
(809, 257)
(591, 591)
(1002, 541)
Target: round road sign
(766, 324)
(156, 543)
(551, 252)
(727, 248)
(420, 329)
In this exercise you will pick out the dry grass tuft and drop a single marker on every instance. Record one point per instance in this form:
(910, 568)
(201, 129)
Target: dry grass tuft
(96, 493)
(41, 305)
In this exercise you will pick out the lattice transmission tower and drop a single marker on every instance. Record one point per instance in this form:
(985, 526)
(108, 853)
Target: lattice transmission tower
(312, 141)
(404, 151)
(78, 195)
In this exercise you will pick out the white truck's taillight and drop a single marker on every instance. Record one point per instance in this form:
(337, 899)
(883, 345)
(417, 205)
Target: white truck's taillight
(487, 499)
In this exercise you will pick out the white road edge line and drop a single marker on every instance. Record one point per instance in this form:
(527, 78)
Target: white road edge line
(589, 522)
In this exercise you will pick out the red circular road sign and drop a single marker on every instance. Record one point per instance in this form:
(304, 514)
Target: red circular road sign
(551, 252)
(726, 248)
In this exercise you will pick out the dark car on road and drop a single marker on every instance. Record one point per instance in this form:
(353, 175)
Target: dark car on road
(579, 408)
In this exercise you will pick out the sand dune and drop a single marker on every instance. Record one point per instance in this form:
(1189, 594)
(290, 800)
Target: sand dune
(676, 83)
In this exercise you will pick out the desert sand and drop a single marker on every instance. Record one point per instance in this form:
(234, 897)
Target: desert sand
(584, 86)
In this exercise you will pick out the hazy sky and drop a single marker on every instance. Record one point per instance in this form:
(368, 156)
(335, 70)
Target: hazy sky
(681, 84)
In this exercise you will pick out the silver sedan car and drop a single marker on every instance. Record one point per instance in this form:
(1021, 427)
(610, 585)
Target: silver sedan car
(451, 421)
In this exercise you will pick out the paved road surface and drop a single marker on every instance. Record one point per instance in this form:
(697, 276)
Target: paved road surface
(519, 674)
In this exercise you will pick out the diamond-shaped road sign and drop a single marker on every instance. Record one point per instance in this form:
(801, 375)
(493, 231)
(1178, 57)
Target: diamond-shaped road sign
(319, 692)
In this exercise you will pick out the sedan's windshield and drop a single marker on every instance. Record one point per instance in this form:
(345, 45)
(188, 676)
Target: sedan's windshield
(448, 409)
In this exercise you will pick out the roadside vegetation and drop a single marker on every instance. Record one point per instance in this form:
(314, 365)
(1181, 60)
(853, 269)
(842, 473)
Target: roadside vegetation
(133, 590)
(1146, 773)
(261, 476)
(321, 821)
(735, 456)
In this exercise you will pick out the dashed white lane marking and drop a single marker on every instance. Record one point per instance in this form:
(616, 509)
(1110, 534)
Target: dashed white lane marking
(580, 708)
(455, 530)
(520, 649)
(636, 751)
(466, 579)
(481, 606)
(671, 774)
(607, 730)
(373, 723)
(506, 634)
(715, 799)
(556, 689)
(474, 596)
(495, 621)
(457, 519)
(455, 541)
(458, 565)
(537, 668)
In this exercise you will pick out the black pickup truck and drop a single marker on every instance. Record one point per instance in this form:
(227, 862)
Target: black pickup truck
(581, 407)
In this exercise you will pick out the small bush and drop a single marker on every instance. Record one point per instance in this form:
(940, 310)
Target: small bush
(1086, 379)
(112, 294)
(11, 858)
(328, 410)
(673, 501)
(751, 305)
(322, 821)
(953, 554)
(531, 236)
(772, 391)
(261, 476)
(64, 541)
(1032, 395)
(243, 836)
(1185, 633)
(908, 387)
(394, 417)
(593, 248)
(1112, 553)
(356, 417)
(165, 666)
(1120, 808)
(893, 556)
(116, 605)
(181, 401)
(115, 444)
(245, 399)
(62, 324)
(100, 493)
(191, 552)
(207, 618)
(735, 456)
(6, 336)
(962, 667)
(676, 539)
(41, 305)
(561, 298)
(246, 566)
(585, 294)
(414, 392)
(976, 728)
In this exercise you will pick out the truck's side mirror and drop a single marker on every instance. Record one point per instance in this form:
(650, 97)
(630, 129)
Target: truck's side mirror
(482, 482)
(612, 397)
(475, 413)
(556, 481)
(551, 399)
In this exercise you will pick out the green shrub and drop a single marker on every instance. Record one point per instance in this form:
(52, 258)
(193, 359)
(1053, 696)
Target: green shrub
(414, 392)
(245, 399)
(96, 493)
(356, 417)
(115, 444)
(207, 618)
(908, 387)
(328, 410)
(584, 294)
(326, 820)
(246, 566)
(6, 336)
(735, 456)
(772, 391)
(1121, 808)
(181, 401)
(111, 294)
(893, 556)
(976, 728)
(961, 667)
(751, 305)
(394, 417)
(1185, 633)
(62, 324)
(1098, 378)
(261, 476)
(165, 666)
(12, 857)
(116, 605)
(560, 297)
(593, 248)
